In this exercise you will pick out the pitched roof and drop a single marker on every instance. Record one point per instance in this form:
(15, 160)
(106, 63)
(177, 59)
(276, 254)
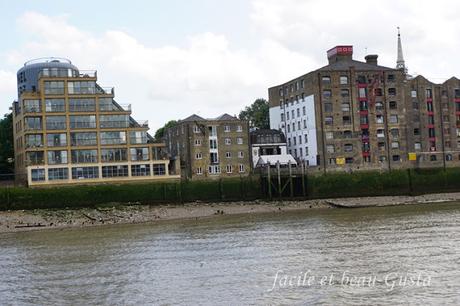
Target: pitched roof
(226, 117)
(194, 118)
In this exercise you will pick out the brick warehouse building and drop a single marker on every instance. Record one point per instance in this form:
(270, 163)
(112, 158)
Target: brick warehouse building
(210, 148)
(359, 115)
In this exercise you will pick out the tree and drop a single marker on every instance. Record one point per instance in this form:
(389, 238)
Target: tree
(257, 114)
(6, 144)
(160, 133)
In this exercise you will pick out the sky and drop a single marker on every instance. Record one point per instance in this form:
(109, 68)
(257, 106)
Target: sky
(170, 59)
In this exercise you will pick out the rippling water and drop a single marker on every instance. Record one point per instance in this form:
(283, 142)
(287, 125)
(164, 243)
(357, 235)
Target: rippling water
(243, 260)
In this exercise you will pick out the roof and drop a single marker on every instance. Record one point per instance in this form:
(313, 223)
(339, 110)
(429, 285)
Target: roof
(346, 64)
(283, 159)
(223, 117)
(260, 136)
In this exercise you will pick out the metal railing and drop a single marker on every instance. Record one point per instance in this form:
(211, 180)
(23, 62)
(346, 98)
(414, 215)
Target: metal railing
(66, 73)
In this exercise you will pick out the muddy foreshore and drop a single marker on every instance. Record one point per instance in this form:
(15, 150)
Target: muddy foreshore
(26, 220)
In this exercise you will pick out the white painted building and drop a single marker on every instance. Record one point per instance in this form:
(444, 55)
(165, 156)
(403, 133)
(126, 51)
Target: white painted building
(297, 121)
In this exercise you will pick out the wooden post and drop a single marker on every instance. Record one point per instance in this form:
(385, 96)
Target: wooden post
(290, 180)
(303, 179)
(280, 192)
(269, 182)
(221, 189)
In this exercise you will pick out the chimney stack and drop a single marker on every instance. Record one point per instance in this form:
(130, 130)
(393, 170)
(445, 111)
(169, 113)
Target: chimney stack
(371, 59)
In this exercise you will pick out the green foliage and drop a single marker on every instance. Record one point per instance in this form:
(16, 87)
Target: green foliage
(6, 144)
(257, 114)
(146, 193)
(159, 134)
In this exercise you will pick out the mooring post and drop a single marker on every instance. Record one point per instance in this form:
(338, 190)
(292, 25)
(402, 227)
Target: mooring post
(303, 179)
(269, 183)
(278, 168)
(291, 180)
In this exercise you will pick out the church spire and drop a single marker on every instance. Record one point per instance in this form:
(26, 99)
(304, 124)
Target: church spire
(400, 61)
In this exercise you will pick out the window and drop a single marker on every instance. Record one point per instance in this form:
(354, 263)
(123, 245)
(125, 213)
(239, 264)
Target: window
(56, 123)
(457, 93)
(328, 107)
(430, 119)
(138, 154)
(113, 155)
(228, 141)
(33, 123)
(241, 168)
(363, 105)
(213, 157)
(83, 122)
(227, 128)
(395, 145)
(58, 174)
(196, 129)
(54, 87)
(327, 94)
(212, 130)
(115, 171)
(82, 105)
(393, 118)
(54, 105)
(391, 78)
(449, 157)
(378, 106)
(326, 79)
(137, 137)
(347, 134)
(428, 93)
(287, 116)
(329, 120)
(198, 142)
(35, 158)
(348, 148)
(229, 168)
(392, 91)
(431, 133)
(304, 124)
(417, 146)
(34, 141)
(83, 139)
(212, 143)
(282, 117)
(228, 154)
(330, 148)
(432, 157)
(198, 155)
(379, 119)
(240, 154)
(56, 140)
(393, 105)
(306, 138)
(295, 140)
(32, 106)
(214, 169)
(429, 106)
(38, 175)
(79, 173)
(108, 105)
(396, 158)
(394, 133)
(84, 156)
(382, 158)
(343, 80)
(344, 93)
(378, 92)
(380, 133)
(349, 160)
(140, 170)
(346, 120)
(109, 121)
(345, 107)
(57, 157)
(362, 92)
(199, 171)
(81, 87)
(413, 93)
(416, 131)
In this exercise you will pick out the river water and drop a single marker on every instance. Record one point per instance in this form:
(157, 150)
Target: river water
(369, 256)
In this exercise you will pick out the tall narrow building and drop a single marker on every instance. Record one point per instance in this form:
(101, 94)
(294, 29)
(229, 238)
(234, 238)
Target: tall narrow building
(70, 130)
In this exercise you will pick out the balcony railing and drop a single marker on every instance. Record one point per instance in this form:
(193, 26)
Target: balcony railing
(105, 90)
(112, 107)
(140, 123)
(66, 73)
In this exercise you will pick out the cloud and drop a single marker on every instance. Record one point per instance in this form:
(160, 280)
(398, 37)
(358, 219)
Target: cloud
(208, 76)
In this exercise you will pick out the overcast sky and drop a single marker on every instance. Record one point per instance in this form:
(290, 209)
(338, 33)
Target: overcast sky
(173, 58)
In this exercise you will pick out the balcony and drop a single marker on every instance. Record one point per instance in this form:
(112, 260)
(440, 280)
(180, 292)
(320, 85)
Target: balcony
(66, 73)
(105, 90)
(140, 123)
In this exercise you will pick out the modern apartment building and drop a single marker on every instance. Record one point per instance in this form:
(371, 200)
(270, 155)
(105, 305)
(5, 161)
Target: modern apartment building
(70, 130)
(210, 148)
(354, 114)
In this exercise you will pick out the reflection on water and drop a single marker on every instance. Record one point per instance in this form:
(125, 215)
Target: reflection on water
(238, 260)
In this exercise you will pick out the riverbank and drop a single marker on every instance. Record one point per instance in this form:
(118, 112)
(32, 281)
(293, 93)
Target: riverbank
(26, 220)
